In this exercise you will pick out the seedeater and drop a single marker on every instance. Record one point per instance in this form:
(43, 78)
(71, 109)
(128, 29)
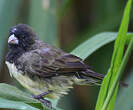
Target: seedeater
(43, 69)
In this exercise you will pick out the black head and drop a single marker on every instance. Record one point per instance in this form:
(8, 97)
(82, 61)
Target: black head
(21, 36)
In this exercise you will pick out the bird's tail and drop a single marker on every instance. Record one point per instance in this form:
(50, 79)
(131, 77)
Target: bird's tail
(89, 77)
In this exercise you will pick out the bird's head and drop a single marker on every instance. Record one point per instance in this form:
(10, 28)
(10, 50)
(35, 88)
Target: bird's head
(21, 36)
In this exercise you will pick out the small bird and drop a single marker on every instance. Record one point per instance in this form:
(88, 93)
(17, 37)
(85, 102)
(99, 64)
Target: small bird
(42, 68)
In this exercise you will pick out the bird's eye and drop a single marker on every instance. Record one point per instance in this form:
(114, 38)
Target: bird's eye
(13, 39)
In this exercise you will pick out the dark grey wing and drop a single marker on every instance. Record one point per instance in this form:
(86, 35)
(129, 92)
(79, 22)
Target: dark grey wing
(48, 62)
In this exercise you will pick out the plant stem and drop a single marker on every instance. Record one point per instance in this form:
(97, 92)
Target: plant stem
(119, 73)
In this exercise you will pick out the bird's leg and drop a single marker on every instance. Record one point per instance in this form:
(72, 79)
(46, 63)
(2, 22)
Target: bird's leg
(41, 99)
(40, 96)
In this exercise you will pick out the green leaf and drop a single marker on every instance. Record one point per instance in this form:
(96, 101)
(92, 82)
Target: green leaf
(88, 47)
(94, 43)
(119, 73)
(4, 103)
(12, 93)
(104, 102)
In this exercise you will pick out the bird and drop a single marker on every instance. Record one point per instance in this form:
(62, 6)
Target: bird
(46, 71)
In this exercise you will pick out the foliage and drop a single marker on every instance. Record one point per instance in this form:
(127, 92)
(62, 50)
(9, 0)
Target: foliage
(42, 17)
(109, 86)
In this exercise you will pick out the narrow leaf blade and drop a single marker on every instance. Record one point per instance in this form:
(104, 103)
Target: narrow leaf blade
(115, 64)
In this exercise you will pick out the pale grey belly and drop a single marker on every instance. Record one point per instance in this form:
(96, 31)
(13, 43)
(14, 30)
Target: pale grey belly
(59, 85)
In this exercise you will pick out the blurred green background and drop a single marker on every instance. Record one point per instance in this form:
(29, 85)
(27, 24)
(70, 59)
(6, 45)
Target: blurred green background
(66, 24)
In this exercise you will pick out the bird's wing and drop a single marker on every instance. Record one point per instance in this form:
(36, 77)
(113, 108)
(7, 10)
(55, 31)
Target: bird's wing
(49, 62)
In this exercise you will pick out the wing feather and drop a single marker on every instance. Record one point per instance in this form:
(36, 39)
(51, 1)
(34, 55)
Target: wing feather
(51, 62)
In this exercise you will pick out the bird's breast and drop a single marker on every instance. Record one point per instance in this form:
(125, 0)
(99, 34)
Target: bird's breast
(59, 85)
(25, 80)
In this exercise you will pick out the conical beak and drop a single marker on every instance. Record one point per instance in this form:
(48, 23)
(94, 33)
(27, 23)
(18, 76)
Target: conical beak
(12, 39)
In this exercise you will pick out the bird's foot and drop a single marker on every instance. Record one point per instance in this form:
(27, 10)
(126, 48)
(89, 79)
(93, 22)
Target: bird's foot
(45, 102)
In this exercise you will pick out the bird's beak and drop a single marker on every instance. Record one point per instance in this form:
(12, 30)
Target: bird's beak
(12, 39)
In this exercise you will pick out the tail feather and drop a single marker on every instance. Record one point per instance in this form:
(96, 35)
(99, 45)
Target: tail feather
(92, 74)
(90, 77)
(96, 78)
